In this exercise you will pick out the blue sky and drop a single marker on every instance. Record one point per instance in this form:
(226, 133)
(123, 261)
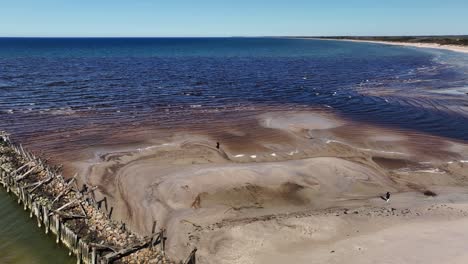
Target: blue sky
(231, 18)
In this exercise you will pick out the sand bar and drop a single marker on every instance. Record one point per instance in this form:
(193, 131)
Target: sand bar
(242, 204)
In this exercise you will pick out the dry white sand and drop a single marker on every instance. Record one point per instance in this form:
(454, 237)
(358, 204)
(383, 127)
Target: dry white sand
(311, 198)
(456, 48)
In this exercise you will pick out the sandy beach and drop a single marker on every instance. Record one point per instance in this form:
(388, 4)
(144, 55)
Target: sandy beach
(279, 154)
(455, 48)
(234, 132)
(310, 194)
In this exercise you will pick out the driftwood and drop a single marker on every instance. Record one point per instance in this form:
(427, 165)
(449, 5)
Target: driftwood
(192, 223)
(243, 207)
(196, 202)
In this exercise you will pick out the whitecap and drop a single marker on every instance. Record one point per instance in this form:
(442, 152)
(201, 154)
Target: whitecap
(437, 171)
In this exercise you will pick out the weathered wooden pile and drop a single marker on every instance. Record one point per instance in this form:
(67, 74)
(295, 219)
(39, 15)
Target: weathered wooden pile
(72, 213)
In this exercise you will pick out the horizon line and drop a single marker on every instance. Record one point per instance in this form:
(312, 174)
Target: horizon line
(259, 36)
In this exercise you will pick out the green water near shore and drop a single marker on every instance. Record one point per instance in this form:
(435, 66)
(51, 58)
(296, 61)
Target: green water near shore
(21, 241)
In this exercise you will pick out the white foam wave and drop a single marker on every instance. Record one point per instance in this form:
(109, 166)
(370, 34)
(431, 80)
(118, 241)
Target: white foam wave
(437, 171)
(365, 149)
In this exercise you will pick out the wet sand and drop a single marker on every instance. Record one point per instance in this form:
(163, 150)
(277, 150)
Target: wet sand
(300, 186)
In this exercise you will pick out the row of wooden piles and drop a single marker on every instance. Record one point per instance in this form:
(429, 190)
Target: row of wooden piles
(72, 213)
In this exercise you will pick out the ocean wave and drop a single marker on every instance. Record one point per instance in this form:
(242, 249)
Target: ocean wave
(56, 83)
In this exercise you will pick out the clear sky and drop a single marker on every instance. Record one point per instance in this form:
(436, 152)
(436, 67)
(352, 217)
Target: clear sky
(231, 18)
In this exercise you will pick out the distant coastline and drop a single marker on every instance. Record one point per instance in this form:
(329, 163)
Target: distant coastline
(452, 43)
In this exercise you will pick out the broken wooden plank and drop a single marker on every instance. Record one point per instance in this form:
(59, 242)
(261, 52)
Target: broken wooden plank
(69, 216)
(25, 174)
(104, 247)
(20, 168)
(41, 183)
(66, 205)
(65, 191)
(109, 258)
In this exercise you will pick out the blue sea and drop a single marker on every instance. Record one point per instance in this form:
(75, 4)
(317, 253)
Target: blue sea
(59, 84)
(59, 95)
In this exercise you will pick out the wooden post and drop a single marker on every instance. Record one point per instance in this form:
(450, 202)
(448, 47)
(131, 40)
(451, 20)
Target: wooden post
(192, 258)
(110, 213)
(31, 174)
(93, 256)
(45, 213)
(78, 252)
(153, 229)
(57, 227)
(38, 215)
(105, 200)
(163, 241)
